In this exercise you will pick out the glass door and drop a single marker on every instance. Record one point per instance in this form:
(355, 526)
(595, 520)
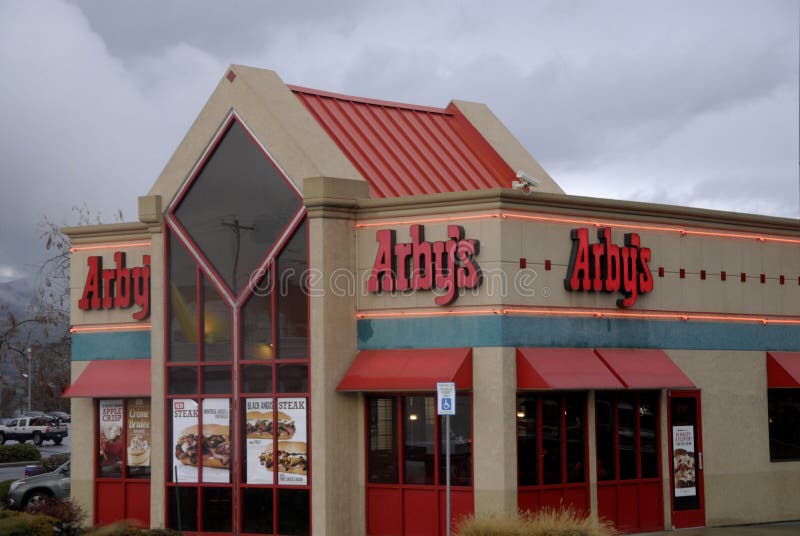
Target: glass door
(686, 448)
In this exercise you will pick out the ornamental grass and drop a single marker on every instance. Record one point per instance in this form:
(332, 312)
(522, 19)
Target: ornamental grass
(544, 522)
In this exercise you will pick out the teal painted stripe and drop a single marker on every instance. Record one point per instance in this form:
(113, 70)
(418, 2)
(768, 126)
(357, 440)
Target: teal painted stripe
(496, 330)
(111, 345)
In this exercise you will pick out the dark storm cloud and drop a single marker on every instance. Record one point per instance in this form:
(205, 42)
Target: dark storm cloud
(690, 103)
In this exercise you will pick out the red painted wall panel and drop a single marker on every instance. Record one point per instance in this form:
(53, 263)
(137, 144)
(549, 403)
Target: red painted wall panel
(384, 511)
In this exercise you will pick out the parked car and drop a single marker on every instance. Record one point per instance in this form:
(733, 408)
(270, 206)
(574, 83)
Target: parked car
(60, 415)
(29, 492)
(37, 429)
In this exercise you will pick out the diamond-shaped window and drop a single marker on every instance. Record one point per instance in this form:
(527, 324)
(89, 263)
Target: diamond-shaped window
(237, 207)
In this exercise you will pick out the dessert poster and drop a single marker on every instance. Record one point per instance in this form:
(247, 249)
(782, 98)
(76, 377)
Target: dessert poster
(683, 462)
(138, 431)
(111, 446)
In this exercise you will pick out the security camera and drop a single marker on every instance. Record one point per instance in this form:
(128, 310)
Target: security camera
(525, 182)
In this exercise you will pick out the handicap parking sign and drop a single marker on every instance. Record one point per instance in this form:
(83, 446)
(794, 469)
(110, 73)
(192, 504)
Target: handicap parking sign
(445, 398)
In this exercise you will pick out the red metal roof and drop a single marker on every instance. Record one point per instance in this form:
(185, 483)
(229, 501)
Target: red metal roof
(563, 368)
(408, 370)
(118, 378)
(783, 369)
(644, 369)
(403, 150)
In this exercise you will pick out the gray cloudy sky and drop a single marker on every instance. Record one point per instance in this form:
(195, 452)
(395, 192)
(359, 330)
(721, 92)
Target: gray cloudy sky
(681, 102)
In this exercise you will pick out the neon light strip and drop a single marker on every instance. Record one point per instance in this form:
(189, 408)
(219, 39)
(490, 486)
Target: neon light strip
(111, 246)
(593, 223)
(679, 230)
(595, 313)
(428, 220)
(110, 327)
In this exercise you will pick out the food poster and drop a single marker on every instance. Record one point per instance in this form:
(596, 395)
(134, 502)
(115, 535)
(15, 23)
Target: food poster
(292, 435)
(185, 446)
(111, 447)
(216, 442)
(138, 432)
(683, 462)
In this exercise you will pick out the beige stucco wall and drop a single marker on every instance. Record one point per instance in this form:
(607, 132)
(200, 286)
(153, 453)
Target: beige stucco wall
(494, 430)
(337, 481)
(504, 241)
(82, 441)
(157, 390)
(741, 484)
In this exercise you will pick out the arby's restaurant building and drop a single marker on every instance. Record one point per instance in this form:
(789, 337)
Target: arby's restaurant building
(259, 352)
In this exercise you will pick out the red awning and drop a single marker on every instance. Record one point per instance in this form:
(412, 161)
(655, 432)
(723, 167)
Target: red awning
(644, 369)
(563, 368)
(408, 370)
(783, 369)
(123, 378)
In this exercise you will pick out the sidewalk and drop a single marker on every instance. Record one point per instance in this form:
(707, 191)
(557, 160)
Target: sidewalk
(771, 529)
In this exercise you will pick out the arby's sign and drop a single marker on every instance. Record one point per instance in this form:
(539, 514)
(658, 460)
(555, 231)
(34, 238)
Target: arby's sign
(443, 266)
(607, 267)
(119, 287)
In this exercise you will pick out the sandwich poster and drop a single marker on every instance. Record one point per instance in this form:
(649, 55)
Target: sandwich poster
(185, 446)
(291, 433)
(139, 432)
(216, 441)
(111, 446)
(683, 463)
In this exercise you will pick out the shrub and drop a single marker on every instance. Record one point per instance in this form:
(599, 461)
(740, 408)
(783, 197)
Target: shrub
(4, 485)
(19, 453)
(544, 522)
(23, 524)
(66, 512)
(54, 462)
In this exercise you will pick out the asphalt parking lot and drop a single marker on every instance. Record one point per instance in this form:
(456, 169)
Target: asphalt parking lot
(48, 448)
(771, 529)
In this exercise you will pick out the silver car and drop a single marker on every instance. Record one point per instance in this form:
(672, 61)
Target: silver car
(28, 492)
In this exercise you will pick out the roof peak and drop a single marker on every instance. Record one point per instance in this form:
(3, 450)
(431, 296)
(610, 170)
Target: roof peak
(364, 100)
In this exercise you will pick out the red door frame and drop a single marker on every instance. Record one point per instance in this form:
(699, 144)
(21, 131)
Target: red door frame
(619, 494)
(460, 495)
(693, 517)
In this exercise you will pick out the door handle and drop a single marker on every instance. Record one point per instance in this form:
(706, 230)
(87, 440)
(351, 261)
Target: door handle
(700, 466)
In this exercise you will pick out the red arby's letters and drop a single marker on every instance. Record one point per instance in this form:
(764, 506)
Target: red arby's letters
(445, 265)
(117, 287)
(607, 267)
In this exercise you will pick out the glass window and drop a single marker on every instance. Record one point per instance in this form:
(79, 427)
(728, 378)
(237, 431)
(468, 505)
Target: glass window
(292, 378)
(123, 433)
(217, 380)
(256, 379)
(551, 438)
(423, 440)
(627, 435)
(382, 456)
(217, 510)
(257, 322)
(257, 510)
(605, 414)
(648, 431)
(182, 508)
(460, 445)
(292, 288)
(237, 207)
(626, 414)
(182, 380)
(575, 418)
(216, 325)
(418, 439)
(784, 424)
(183, 303)
(527, 448)
(294, 517)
